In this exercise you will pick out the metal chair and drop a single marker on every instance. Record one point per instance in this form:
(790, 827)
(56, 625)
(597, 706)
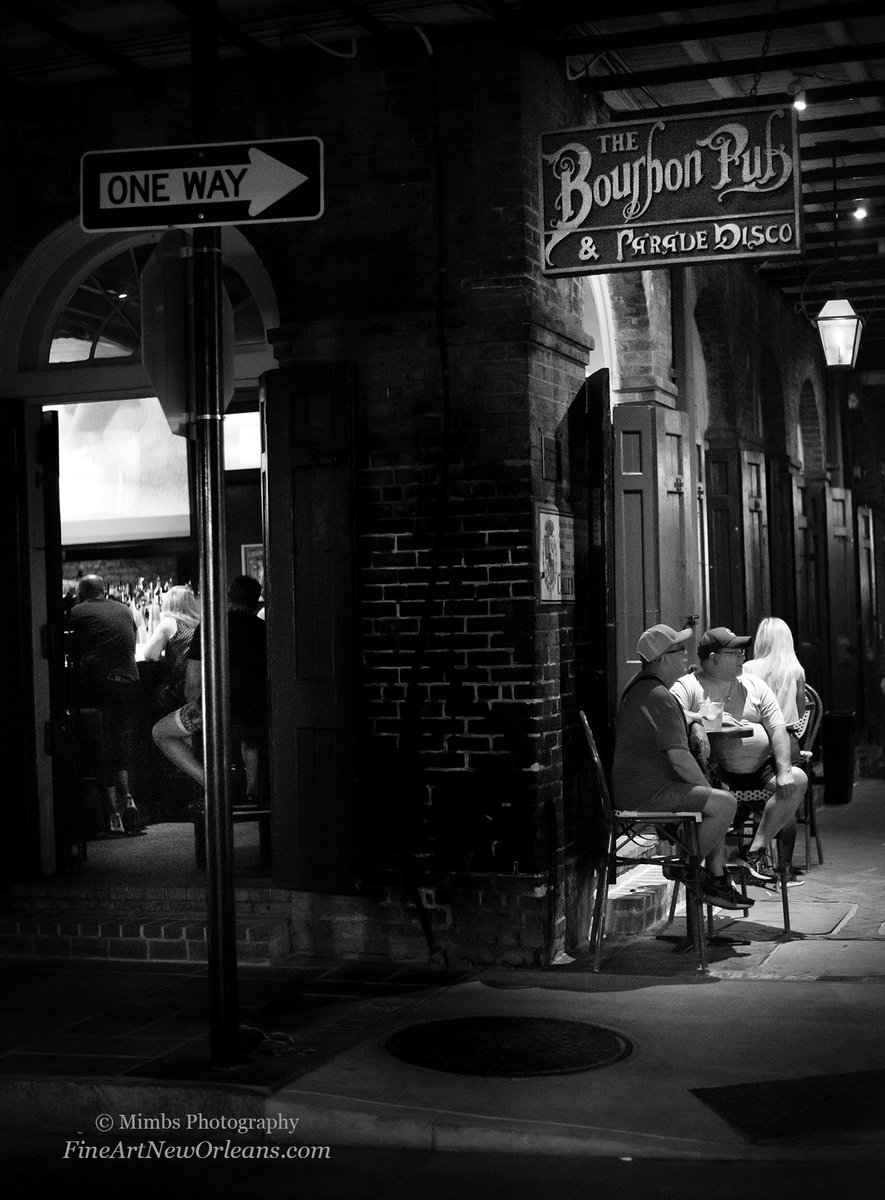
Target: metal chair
(749, 803)
(680, 828)
(807, 730)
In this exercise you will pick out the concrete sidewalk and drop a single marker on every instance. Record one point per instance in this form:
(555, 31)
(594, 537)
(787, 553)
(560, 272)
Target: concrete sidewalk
(777, 1054)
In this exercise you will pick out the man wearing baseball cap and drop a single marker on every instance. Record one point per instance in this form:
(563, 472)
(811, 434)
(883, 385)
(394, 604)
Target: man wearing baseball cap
(761, 761)
(654, 767)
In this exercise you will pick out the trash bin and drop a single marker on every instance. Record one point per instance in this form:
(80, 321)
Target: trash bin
(838, 746)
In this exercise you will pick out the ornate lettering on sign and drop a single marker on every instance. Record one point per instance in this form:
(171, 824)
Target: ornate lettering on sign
(756, 164)
(682, 186)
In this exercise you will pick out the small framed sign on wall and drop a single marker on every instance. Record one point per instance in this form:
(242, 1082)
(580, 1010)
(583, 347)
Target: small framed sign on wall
(252, 560)
(556, 555)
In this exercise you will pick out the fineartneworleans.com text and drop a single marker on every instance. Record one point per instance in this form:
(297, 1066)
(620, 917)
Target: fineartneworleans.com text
(79, 1148)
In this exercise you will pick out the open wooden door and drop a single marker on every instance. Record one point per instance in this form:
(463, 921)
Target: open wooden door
(311, 616)
(26, 846)
(602, 692)
(37, 721)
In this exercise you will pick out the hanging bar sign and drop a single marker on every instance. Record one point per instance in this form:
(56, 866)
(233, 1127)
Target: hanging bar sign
(671, 189)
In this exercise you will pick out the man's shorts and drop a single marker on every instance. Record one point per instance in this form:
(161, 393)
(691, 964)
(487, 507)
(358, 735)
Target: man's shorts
(190, 717)
(677, 796)
(755, 780)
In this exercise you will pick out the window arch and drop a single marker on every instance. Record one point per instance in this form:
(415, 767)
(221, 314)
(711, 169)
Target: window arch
(102, 319)
(72, 314)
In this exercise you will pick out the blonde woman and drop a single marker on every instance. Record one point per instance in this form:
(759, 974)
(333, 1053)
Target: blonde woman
(774, 660)
(180, 616)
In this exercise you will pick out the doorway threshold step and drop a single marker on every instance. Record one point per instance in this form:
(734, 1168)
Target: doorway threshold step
(145, 937)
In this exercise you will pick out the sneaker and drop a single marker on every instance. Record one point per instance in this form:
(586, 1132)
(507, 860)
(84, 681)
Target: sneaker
(793, 878)
(720, 893)
(117, 823)
(753, 868)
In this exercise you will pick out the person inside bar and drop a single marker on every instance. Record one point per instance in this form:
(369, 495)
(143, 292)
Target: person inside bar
(174, 733)
(106, 680)
(171, 641)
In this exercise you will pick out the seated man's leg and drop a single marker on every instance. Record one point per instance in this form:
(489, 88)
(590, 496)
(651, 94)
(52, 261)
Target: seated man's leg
(778, 812)
(717, 809)
(173, 734)
(717, 812)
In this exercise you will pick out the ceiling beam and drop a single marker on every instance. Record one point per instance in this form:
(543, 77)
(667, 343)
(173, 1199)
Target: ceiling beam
(845, 149)
(814, 96)
(843, 173)
(858, 120)
(581, 12)
(230, 33)
(867, 233)
(77, 41)
(662, 35)
(368, 21)
(727, 68)
(861, 282)
(845, 198)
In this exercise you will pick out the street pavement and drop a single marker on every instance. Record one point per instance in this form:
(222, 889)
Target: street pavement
(774, 1062)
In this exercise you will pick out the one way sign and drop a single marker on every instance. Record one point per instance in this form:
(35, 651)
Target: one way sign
(225, 183)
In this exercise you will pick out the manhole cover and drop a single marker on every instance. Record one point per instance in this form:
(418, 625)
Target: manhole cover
(508, 1046)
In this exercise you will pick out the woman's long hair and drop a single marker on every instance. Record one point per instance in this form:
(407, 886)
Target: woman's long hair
(180, 601)
(774, 656)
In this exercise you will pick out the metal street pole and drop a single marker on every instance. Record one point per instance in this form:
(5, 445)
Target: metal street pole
(208, 359)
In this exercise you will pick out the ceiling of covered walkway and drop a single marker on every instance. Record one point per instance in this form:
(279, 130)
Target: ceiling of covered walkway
(715, 55)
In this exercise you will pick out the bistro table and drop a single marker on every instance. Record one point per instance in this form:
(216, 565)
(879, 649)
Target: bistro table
(738, 731)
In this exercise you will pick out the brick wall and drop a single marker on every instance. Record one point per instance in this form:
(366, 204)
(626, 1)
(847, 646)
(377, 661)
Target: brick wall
(468, 685)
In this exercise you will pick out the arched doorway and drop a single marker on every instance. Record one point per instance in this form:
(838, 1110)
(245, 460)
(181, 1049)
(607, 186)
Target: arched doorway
(72, 328)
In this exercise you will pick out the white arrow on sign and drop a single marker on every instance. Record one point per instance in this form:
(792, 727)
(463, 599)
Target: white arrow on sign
(263, 181)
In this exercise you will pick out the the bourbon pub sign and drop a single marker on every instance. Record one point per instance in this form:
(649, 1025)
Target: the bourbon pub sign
(671, 189)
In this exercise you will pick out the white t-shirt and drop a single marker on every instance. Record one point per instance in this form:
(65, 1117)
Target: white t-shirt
(747, 698)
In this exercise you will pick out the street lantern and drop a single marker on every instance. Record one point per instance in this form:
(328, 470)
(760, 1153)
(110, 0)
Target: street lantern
(840, 328)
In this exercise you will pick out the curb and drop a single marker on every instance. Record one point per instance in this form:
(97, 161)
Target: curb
(72, 1108)
(337, 1120)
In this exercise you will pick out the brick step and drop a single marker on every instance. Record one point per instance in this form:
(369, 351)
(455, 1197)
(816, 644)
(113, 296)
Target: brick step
(639, 901)
(156, 899)
(143, 936)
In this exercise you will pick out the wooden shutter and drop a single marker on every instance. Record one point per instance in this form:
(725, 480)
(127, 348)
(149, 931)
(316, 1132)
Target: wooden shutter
(724, 493)
(843, 598)
(781, 535)
(652, 524)
(755, 524)
(869, 624)
(811, 577)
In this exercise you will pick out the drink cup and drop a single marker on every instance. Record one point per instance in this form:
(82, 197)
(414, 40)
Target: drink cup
(711, 714)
